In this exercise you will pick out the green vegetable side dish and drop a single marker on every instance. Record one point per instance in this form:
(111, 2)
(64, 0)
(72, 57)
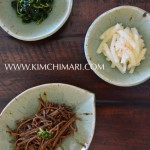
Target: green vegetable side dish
(32, 10)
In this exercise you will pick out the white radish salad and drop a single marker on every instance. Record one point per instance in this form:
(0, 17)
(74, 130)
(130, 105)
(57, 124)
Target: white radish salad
(124, 47)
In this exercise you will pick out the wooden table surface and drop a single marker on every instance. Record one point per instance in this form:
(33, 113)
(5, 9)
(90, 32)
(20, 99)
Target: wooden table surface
(122, 113)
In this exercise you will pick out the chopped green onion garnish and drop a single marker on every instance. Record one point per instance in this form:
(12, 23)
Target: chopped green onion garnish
(44, 134)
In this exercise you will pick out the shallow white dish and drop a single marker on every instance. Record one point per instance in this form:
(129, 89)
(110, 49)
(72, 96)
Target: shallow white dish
(31, 32)
(26, 104)
(129, 16)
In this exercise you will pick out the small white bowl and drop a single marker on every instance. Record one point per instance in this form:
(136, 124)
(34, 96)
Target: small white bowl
(26, 104)
(31, 32)
(129, 16)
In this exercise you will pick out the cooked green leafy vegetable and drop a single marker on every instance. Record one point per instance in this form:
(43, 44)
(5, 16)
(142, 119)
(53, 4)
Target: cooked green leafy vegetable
(33, 10)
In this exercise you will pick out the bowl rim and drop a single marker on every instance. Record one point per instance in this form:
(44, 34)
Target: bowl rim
(87, 52)
(59, 84)
(61, 23)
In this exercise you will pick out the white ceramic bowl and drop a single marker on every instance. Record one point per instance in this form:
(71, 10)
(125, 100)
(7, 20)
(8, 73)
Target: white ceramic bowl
(26, 104)
(128, 16)
(32, 32)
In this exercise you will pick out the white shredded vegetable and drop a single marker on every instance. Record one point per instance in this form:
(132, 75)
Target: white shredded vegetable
(124, 47)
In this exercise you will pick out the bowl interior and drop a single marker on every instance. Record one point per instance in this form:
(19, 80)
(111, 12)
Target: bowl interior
(14, 26)
(128, 16)
(26, 104)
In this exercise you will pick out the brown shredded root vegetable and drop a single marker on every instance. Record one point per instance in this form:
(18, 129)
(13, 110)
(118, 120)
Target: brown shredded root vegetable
(45, 130)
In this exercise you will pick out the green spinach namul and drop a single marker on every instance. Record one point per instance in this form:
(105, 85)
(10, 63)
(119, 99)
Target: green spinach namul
(33, 10)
